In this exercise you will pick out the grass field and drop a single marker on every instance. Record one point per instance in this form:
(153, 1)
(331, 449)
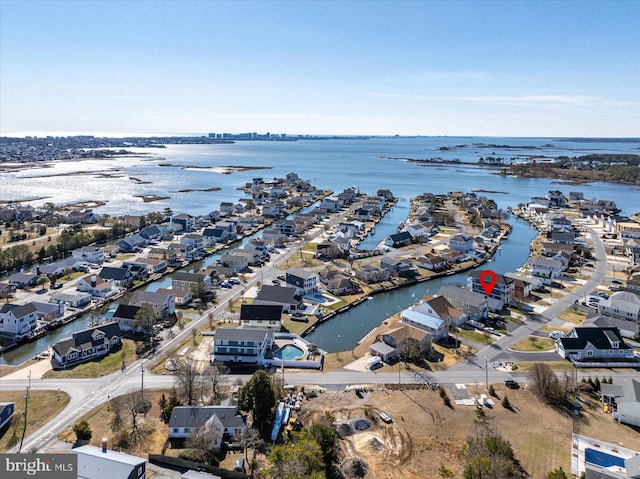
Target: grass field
(572, 316)
(475, 336)
(534, 344)
(99, 367)
(42, 406)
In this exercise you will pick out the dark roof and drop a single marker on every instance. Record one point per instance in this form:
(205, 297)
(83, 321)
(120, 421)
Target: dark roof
(191, 277)
(19, 311)
(500, 279)
(126, 311)
(278, 294)
(118, 274)
(260, 312)
(400, 237)
(240, 334)
(85, 339)
(600, 338)
(196, 416)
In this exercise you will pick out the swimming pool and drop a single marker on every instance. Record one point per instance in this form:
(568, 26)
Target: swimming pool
(288, 352)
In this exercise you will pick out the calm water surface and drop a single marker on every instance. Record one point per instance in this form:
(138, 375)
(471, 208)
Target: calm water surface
(330, 164)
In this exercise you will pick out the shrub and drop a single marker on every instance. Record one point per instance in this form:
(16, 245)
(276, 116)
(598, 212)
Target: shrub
(82, 431)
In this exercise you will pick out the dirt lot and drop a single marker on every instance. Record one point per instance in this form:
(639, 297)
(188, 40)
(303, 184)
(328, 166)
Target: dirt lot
(425, 433)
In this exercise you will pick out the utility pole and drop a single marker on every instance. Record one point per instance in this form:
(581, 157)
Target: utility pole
(486, 372)
(26, 406)
(142, 380)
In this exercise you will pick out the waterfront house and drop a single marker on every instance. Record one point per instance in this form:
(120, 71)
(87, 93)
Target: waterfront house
(241, 345)
(48, 311)
(584, 345)
(462, 242)
(72, 299)
(307, 281)
(399, 341)
(100, 463)
(89, 254)
(150, 265)
(237, 262)
(18, 321)
(170, 256)
(273, 236)
(6, 413)
(432, 262)
(181, 280)
(502, 293)
(23, 280)
(547, 269)
(163, 304)
(421, 319)
(195, 244)
(341, 284)
(399, 267)
(398, 240)
(87, 344)
(125, 316)
(476, 305)
(621, 304)
(121, 277)
(96, 286)
(263, 316)
(182, 297)
(622, 397)
(289, 298)
(576, 195)
(372, 274)
(211, 236)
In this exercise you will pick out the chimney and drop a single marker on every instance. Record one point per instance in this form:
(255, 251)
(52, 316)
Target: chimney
(93, 281)
(104, 445)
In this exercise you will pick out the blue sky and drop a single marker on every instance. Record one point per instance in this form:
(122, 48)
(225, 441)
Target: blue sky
(411, 68)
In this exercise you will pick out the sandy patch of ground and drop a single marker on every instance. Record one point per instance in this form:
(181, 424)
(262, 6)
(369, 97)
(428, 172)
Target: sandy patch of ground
(37, 370)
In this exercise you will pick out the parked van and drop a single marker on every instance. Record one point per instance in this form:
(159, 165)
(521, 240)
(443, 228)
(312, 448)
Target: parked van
(374, 362)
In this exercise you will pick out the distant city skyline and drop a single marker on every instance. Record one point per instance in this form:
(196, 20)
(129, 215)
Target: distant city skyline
(116, 68)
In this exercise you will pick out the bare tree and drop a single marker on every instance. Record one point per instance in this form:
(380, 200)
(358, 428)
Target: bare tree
(251, 439)
(212, 377)
(545, 383)
(128, 422)
(188, 380)
(205, 438)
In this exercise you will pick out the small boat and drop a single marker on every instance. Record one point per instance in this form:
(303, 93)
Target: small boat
(171, 365)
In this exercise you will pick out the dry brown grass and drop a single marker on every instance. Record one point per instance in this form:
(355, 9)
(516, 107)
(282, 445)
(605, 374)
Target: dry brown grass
(43, 405)
(571, 316)
(424, 428)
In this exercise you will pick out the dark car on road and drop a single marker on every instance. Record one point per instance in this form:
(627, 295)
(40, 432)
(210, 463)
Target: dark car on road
(511, 383)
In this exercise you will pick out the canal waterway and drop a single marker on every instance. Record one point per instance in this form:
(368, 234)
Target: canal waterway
(328, 164)
(342, 332)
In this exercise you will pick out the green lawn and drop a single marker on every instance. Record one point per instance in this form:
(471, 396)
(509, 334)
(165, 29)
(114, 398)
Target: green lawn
(474, 336)
(534, 343)
(99, 367)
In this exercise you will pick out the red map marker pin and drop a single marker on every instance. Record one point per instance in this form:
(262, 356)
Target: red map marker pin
(488, 280)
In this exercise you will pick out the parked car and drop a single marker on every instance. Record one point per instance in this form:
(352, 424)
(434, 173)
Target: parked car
(556, 334)
(603, 295)
(511, 383)
(57, 286)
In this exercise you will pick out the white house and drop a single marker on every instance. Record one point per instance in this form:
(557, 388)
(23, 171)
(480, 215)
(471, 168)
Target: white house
(96, 286)
(462, 242)
(621, 304)
(305, 280)
(240, 345)
(547, 269)
(18, 320)
(89, 254)
(163, 304)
